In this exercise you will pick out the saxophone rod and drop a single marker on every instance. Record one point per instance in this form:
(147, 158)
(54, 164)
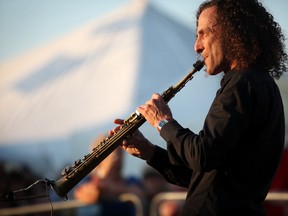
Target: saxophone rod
(72, 175)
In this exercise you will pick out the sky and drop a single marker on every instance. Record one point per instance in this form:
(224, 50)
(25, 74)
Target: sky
(27, 24)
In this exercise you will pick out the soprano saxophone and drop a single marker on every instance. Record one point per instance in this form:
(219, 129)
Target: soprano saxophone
(72, 175)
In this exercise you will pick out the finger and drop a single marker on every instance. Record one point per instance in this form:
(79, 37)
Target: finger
(147, 110)
(119, 121)
(156, 96)
(125, 144)
(116, 121)
(141, 109)
(113, 131)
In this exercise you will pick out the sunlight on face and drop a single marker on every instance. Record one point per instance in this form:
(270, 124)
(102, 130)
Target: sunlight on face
(209, 43)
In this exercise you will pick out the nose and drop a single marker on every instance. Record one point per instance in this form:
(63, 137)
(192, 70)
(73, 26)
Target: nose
(198, 46)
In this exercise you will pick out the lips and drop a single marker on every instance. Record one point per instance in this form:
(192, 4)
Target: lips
(204, 58)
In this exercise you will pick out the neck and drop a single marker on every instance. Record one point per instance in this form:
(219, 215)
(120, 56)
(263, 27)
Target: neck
(230, 66)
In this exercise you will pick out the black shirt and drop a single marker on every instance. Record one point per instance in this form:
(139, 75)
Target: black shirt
(229, 165)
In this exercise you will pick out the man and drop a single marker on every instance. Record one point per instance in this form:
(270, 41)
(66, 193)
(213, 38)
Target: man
(229, 165)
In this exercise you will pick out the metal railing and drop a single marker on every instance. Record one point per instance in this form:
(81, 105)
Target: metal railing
(72, 204)
(65, 205)
(272, 196)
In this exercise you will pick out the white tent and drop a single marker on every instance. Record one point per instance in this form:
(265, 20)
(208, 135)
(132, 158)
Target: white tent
(94, 72)
(55, 99)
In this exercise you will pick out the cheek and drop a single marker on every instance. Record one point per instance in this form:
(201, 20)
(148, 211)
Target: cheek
(219, 56)
(215, 60)
(218, 52)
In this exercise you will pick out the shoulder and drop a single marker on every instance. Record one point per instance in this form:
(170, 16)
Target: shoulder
(249, 79)
(253, 75)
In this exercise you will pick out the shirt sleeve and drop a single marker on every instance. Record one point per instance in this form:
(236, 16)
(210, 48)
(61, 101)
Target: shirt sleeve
(178, 175)
(224, 124)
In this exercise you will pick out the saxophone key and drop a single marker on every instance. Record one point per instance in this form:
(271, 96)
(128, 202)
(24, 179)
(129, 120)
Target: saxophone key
(66, 170)
(76, 163)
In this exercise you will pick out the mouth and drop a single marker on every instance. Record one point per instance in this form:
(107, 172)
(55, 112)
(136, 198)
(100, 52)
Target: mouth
(204, 59)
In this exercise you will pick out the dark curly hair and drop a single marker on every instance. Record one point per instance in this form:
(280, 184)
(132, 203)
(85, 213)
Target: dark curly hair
(251, 35)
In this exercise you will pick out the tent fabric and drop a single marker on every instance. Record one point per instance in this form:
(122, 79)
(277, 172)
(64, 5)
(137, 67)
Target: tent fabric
(92, 74)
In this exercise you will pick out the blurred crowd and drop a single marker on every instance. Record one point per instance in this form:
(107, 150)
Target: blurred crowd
(102, 188)
(106, 183)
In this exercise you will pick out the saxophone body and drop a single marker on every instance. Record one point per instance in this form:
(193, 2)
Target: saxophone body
(73, 174)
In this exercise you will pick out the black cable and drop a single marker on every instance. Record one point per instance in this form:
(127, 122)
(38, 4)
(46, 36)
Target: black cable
(10, 196)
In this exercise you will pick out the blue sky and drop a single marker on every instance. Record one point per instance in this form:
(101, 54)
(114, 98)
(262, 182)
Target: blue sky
(26, 24)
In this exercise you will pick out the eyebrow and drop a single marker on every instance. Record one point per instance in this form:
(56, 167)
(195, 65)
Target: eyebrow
(206, 29)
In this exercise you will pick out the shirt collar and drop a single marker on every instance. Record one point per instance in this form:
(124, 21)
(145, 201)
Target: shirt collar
(227, 76)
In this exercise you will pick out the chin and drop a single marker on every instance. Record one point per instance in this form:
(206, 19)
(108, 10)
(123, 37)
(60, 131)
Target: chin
(209, 71)
(214, 71)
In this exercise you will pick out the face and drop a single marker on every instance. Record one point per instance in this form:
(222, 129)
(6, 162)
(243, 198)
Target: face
(209, 43)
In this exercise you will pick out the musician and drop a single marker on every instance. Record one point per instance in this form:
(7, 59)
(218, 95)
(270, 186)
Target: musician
(229, 165)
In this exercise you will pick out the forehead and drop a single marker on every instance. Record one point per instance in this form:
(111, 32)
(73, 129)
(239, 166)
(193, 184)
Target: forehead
(207, 18)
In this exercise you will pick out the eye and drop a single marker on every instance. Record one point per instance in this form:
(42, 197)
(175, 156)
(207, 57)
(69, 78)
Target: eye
(200, 35)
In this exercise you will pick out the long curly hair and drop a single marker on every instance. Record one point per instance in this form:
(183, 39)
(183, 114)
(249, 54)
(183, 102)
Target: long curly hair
(251, 35)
